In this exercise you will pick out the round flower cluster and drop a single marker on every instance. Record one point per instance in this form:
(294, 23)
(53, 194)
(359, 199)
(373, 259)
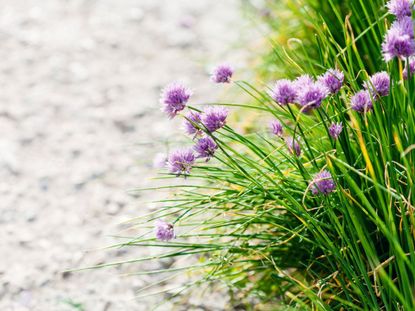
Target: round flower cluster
(322, 183)
(376, 87)
(399, 40)
(307, 92)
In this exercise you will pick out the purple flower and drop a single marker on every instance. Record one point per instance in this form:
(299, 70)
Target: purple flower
(214, 118)
(362, 102)
(276, 128)
(399, 40)
(181, 161)
(335, 129)
(332, 80)
(303, 81)
(322, 183)
(193, 118)
(205, 148)
(284, 92)
(293, 146)
(378, 84)
(222, 74)
(164, 230)
(311, 96)
(400, 8)
(411, 68)
(174, 98)
(160, 160)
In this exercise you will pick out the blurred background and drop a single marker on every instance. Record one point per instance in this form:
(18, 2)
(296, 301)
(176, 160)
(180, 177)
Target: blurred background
(80, 124)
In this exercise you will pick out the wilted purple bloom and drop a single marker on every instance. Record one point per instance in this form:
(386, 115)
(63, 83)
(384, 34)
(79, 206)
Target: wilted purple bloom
(193, 118)
(311, 96)
(205, 148)
(411, 68)
(284, 92)
(323, 183)
(399, 40)
(214, 118)
(335, 129)
(333, 80)
(362, 102)
(400, 8)
(160, 160)
(276, 128)
(293, 146)
(174, 98)
(164, 230)
(181, 161)
(378, 84)
(222, 74)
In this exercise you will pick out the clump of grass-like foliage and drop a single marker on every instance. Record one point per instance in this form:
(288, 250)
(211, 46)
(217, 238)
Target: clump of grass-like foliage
(327, 224)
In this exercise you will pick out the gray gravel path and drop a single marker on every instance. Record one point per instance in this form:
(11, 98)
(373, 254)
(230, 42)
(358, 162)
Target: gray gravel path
(80, 124)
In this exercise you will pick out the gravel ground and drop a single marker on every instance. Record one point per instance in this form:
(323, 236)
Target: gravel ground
(80, 124)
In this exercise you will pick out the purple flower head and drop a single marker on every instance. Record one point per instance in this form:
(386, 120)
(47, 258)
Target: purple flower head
(322, 183)
(335, 129)
(333, 80)
(160, 160)
(205, 148)
(400, 8)
(303, 81)
(362, 101)
(399, 40)
(164, 230)
(222, 74)
(411, 68)
(284, 92)
(181, 161)
(378, 84)
(193, 118)
(174, 98)
(214, 118)
(276, 128)
(311, 96)
(293, 146)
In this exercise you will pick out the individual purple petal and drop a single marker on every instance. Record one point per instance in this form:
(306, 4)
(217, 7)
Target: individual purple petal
(293, 146)
(322, 183)
(284, 92)
(181, 161)
(362, 101)
(190, 123)
(335, 129)
(222, 74)
(333, 80)
(174, 98)
(214, 118)
(164, 230)
(277, 128)
(378, 84)
(205, 148)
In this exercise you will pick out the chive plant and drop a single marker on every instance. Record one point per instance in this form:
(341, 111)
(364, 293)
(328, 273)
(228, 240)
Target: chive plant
(316, 211)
